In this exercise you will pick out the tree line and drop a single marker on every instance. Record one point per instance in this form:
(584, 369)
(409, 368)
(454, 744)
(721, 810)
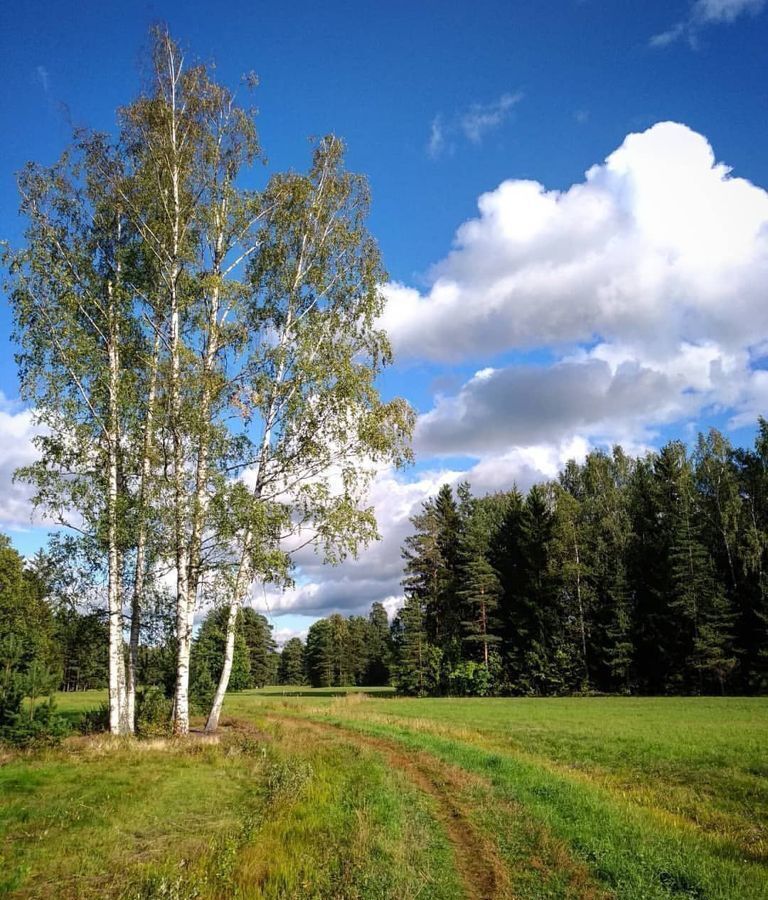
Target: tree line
(622, 575)
(200, 353)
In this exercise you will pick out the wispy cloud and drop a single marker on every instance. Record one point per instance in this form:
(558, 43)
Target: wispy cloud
(702, 14)
(481, 118)
(42, 78)
(436, 141)
(471, 124)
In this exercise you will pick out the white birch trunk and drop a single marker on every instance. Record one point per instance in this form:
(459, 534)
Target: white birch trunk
(117, 710)
(184, 604)
(183, 629)
(229, 654)
(141, 544)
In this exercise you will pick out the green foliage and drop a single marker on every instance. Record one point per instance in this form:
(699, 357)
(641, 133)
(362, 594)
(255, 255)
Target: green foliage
(470, 679)
(27, 652)
(94, 721)
(293, 668)
(319, 654)
(153, 712)
(202, 688)
(82, 640)
(176, 329)
(286, 778)
(418, 670)
(23, 720)
(261, 648)
(624, 576)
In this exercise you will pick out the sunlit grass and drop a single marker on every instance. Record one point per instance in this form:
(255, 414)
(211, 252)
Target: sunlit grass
(661, 797)
(256, 815)
(626, 797)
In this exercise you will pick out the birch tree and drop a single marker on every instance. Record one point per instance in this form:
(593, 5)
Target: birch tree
(310, 409)
(188, 140)
(73, 324)
(202, 358)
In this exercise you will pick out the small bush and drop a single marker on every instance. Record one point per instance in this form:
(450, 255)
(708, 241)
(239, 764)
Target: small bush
(23, 721)
(153, 712)
(201, 690)
(38, 726)
(94, 721)
(470, 679)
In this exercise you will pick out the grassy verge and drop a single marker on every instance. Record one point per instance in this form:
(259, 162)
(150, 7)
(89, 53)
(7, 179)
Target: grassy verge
(250, 816)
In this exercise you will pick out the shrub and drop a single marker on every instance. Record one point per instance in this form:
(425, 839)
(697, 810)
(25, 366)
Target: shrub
(201, 690)
(286, 778)
(470, 679)
(94, 721)
(153, 712)
(24, 722)
(36, 726)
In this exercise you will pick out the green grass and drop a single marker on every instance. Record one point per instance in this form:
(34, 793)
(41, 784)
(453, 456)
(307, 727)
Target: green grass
(261, 814)
(325, 797)
(661, 797)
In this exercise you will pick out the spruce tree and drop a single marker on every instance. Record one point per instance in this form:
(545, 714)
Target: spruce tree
(417, 668)
(480, 587)
(292, 669)
(380, 650)
(320, 654)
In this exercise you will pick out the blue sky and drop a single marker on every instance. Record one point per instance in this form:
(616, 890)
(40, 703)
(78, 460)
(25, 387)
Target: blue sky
(441, 103)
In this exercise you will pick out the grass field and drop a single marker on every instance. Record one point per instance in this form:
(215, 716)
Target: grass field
(329, 794)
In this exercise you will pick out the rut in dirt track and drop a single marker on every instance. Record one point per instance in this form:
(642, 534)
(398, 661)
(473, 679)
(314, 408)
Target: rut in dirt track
(482, 872)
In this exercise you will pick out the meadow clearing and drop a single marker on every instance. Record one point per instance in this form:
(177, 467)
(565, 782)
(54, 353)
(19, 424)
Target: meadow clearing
(333, 794)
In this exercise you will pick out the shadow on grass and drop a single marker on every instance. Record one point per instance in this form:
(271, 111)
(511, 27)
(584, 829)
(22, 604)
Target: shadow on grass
(321, 692)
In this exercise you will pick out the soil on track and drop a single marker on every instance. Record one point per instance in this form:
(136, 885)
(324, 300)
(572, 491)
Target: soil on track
(478, 864)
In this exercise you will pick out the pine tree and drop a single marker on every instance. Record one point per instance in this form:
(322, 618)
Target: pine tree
(480, 587)
(417, 661)
(292, 669)
(320, 654)
(698, 615)
(432, 570)
(262, 649)
(569, 568)
(751, 625)
(380, 650)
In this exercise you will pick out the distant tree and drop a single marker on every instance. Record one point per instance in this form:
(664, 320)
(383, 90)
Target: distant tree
(292, 669)
(206, 660)
(342, 664)
(432, 567)
(379, 662)
(320, 654)
(262, 648)
(751, 603)
(82, 641)
(480, 587)
(569, 562)
(606, 519)
(418, 663)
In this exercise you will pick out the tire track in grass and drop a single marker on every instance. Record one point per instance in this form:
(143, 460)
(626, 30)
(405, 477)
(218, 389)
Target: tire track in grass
(480, 868)
(483, 871)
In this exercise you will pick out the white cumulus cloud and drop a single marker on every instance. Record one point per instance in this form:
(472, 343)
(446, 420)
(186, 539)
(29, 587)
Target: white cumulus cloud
(660, 243)
(17, 430)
